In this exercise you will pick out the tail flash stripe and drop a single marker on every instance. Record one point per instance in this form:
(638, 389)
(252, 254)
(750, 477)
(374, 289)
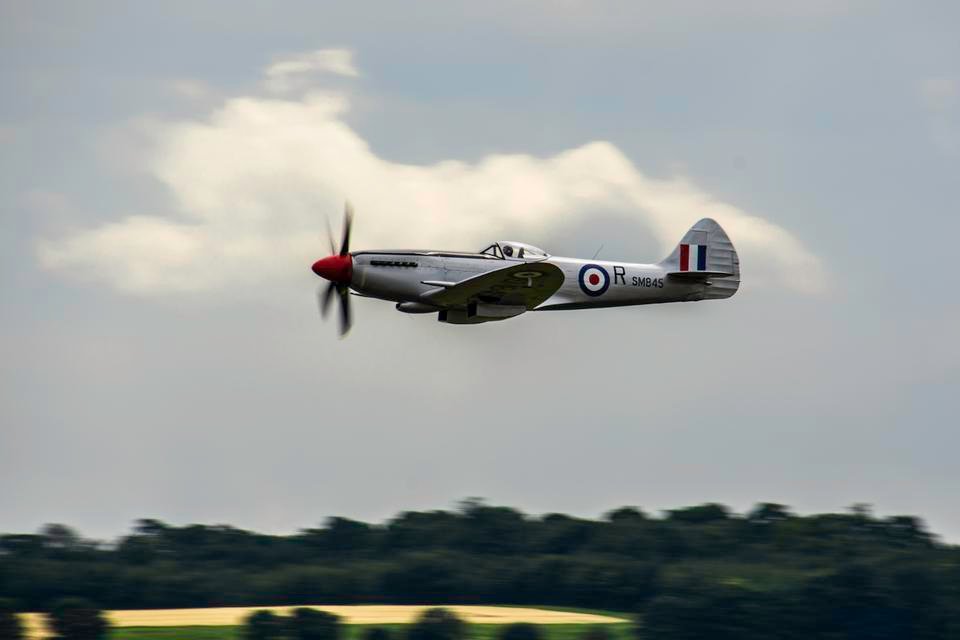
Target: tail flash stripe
(701, 257)
(684, 257)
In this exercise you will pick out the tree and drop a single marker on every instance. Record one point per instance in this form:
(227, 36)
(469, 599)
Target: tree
(768, 513)
(907, 529)
(422, 577)
(702, 565)
(520, 631)
(697, 611)
(626, 514)
(437, 624)
(560, 534)
(263, 625)
(150, 527)
(343, 535)
(311, 624)
(10, 626)
(491, 529)
(77, 619)
(700, 514)
(59, 536)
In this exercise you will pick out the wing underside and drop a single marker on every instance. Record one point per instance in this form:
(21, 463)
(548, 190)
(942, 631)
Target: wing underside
(526, 284)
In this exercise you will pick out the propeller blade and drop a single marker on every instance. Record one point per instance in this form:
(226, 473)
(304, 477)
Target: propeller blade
(342, 289)
(347, 223)
(333, 249)
(323, 299)
(346, 317)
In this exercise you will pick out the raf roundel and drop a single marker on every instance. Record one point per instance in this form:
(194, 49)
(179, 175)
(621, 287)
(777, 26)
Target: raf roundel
(594, 280)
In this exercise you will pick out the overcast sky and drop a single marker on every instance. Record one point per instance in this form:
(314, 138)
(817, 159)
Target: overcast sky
(165, 172)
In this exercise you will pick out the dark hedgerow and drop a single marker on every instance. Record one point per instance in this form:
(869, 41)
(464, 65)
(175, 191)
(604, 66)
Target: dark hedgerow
(11, 628)
(437, 624)
(263, 625)
(311, 624)
(77, 619)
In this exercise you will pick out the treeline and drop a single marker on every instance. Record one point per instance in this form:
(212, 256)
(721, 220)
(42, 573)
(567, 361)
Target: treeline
(690, 563)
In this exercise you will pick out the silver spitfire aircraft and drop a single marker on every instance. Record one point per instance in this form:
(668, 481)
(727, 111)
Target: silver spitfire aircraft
(506, 279)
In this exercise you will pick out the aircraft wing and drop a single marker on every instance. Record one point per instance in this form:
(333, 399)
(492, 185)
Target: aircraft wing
(527, 284)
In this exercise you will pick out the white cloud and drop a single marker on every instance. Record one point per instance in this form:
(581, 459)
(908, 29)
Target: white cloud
(252, 182)
(297, 72)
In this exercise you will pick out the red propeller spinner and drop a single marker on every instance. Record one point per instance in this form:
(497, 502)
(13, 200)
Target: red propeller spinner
(335, 268)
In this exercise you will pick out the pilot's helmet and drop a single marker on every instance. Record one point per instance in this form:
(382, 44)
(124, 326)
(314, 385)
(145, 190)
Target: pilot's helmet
(508, 250)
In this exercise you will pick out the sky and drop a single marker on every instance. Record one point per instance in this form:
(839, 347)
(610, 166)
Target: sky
(167, 171)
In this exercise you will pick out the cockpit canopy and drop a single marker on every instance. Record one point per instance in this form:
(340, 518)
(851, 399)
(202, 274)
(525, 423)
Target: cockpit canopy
(515, 251)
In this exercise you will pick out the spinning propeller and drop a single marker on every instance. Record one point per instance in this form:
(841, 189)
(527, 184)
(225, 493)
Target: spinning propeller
(338, 269)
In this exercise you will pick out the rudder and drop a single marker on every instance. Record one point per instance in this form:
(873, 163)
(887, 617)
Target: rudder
(706, 253)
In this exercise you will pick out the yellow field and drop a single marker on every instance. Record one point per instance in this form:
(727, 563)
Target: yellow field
(351, 614)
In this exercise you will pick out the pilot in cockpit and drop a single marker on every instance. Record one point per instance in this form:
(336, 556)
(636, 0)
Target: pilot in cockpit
(515, 251)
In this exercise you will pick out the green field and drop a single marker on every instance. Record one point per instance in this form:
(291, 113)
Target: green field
(176, 633)
(618, 631)
(355, 632)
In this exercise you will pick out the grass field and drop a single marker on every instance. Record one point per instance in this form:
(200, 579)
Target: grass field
(223, 623)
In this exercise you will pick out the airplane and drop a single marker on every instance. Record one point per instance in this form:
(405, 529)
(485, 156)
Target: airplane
(506, 279)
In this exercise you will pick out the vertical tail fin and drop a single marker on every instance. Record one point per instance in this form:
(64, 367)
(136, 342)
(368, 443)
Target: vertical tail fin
(706, 253)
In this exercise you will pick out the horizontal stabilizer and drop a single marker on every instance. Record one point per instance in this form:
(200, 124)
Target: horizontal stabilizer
(697, 275)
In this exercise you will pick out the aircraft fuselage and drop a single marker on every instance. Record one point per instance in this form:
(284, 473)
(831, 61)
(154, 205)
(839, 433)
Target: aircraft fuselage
(509, 278)
(399, 276)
